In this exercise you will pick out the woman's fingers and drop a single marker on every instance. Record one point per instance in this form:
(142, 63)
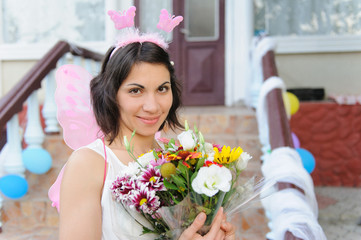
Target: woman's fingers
(220, 235)
(229, 230)
(216, 225)
(191, 231)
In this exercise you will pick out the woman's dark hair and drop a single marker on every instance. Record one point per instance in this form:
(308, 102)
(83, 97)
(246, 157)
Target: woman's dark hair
(115, 69)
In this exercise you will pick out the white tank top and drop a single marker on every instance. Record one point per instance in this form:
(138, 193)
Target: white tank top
(117, 223)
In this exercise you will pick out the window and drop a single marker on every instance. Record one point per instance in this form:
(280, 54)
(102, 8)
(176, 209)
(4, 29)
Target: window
(40, 21)
(310, 25)
(201, 20)
(30, 28)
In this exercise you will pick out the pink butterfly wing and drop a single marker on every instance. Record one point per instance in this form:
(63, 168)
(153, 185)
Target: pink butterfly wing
(129, 16)
(163, 19)
(123, 20)
(167, 22)
(54, 191)
(175, 22)
(74, 110)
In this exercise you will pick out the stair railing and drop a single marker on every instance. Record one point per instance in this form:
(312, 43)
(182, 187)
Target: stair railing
(25, 91)
(278, 122)
(24, 94)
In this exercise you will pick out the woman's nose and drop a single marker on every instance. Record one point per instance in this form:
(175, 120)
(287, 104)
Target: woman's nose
(151, 103)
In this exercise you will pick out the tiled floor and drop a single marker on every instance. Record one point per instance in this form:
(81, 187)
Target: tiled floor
(339, 216)
(340, 212)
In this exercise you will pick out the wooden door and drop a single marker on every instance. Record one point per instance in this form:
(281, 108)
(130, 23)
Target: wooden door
(198, 51)
(196, 48)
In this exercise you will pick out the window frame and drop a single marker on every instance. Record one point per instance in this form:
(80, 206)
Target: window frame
(317, 44)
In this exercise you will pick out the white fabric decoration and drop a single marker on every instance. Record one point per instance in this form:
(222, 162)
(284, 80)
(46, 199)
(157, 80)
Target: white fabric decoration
(260, 48)
(294, 215)
(261, 111)
(285, 165)
(263, 47)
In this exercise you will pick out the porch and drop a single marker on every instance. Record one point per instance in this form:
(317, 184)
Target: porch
(33, 218)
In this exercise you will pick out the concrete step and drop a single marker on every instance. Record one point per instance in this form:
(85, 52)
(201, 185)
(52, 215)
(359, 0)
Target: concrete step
(32, 217)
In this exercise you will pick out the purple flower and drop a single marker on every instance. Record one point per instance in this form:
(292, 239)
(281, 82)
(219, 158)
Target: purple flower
(158, 161)
(122, 187)
(153, 179)
(145, 200)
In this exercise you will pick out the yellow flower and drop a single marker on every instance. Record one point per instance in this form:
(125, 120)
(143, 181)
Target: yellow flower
(226, 155)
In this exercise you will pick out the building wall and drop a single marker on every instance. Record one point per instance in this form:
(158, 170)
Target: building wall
(338, 73)
(12, 72)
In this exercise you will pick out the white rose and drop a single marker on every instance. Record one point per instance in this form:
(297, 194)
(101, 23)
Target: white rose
(145, 159)
(187, 139)
(243, 161)
(212, 179)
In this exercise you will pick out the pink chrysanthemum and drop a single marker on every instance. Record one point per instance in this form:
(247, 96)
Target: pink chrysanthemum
(153, 179)
(145, 200)
(218, 146)
(121, 188)
(158, 162)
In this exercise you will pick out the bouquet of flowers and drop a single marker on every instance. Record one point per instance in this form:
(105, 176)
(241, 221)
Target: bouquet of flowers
(171, 185)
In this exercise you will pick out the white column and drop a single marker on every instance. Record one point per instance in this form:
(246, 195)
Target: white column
(34, 135)
(13, 163)
(49, 108)
(238, 44)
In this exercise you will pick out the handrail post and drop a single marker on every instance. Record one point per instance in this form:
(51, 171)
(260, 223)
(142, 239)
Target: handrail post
(49, 107)
(13, 163)
(34, 135)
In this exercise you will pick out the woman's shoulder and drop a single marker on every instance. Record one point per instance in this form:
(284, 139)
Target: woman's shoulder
(85, 164)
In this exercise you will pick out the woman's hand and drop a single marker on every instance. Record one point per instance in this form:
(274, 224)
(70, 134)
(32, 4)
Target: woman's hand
(229, 229)
(220, 229)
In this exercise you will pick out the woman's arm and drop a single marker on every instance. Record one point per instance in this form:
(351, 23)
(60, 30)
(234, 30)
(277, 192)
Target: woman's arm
(80, 196)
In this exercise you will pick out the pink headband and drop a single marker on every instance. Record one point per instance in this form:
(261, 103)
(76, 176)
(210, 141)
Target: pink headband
(126, 20)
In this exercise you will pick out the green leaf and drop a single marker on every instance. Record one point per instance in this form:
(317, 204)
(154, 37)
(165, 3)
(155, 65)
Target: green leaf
(204, 209)
(193, 177)
(200, 163)
(174, 199)
(169, 185)
(195, 129)
(183, 168)
(186, 126)
(147, 230)
(180, 182)
(155, 155)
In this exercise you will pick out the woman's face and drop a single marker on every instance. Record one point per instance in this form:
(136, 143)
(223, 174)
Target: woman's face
(145, 98)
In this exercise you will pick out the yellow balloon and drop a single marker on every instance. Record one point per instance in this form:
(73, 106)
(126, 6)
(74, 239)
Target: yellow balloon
(287, 104)
(294, 102)
(291, 102)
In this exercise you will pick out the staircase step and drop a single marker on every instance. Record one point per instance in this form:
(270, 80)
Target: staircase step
(32, 217)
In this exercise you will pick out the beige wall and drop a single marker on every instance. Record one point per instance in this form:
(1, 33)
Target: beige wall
(338, 73)
(12, 72)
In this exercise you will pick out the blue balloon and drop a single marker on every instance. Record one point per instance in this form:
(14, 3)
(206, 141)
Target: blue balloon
(37, 160)
(13, 186)
(308, 159)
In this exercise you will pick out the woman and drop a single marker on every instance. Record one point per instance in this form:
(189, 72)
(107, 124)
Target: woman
(135, 90)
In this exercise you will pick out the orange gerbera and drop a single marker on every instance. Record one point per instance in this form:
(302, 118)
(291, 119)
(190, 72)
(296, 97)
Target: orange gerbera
(184, 155)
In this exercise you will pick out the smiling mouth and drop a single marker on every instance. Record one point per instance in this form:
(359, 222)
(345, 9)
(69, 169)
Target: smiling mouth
(149, 120)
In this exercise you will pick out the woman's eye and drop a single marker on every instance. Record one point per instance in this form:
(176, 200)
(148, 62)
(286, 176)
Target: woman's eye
(135, 91)
(163, 89)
